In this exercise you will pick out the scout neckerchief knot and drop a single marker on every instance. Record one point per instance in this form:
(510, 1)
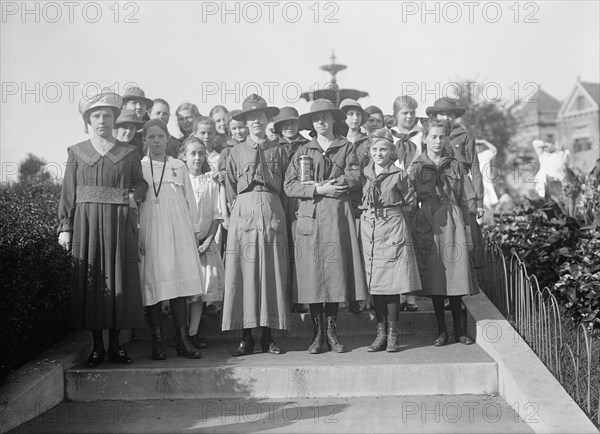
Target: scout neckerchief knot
(443, 188)
(373, 193)
(261, 171)
(328, 166)
(404, 137)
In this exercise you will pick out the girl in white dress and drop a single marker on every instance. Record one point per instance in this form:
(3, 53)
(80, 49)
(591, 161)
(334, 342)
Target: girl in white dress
(169, 234)
(206, 193)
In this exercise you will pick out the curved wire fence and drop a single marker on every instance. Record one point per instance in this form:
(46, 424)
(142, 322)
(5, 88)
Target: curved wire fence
(570, 353)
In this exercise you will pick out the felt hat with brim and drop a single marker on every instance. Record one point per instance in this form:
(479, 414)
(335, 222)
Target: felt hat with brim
(285, 114)
(129, 117)
(105, 98)
(349, 104)
(253, 104)
(137, 94)
(321, 106)
(445, 105)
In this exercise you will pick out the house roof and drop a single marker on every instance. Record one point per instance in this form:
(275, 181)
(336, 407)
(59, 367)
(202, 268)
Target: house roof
(593, 89)
(545, 102)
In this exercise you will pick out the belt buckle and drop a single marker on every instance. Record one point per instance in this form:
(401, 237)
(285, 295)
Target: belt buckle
(379, 213)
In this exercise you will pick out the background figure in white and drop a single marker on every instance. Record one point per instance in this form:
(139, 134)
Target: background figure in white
(553, 163)
(486, 153)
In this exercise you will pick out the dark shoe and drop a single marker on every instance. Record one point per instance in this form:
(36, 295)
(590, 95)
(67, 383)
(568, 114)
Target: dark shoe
(316, 346)
(355, 307)
(198, 341)
(465, 340)
(154, 317)
(393, 337)
(380, 340)
(245, 349)
(411, 307)
(332, 339)
(95, 358)
(441, 340)
(184, 346)
(211, 310)
(299, 308)
(158, 348)
(270, 348)
(119, 355)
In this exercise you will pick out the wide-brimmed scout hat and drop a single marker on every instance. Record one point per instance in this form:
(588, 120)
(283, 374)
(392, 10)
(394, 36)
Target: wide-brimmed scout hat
(105, 98)
(445, 105)
(253, 104)
(350, 103)
(137, 94)
(129, 117)
(321, 106)
(285, 114)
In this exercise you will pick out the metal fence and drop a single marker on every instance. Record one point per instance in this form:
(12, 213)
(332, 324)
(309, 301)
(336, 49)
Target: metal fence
(569, 352)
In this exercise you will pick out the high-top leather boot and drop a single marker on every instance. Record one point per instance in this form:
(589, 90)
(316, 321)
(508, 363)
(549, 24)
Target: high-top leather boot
(154, 317)
(380, 340)
(316, 346)
(332, 339)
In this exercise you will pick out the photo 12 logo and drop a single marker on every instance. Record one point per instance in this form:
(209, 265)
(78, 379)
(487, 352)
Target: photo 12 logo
(270, 12)
(470, 12)
(70, 12)
(53, 92)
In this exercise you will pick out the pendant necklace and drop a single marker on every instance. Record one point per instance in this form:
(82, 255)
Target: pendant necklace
(157, 192)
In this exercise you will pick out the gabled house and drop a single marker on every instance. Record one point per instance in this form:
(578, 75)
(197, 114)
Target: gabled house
(536, 119)
(579, 125)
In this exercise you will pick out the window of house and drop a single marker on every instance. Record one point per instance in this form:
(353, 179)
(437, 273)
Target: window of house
(582, 144)
(581, 103)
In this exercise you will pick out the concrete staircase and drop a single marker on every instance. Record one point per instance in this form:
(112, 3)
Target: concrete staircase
(421, 388)
(418, 369)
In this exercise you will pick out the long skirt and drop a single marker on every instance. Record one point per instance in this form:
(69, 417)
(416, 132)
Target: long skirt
(442, 248)
(256, 264)
(390, 260)
(105, 275)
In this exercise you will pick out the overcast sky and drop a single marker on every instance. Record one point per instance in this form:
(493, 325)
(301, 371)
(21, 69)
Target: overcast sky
(198, 52)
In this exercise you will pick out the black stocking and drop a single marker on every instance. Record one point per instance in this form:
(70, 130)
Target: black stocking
(380, 308)
(393, 307)
(455, 308)
(438, 307)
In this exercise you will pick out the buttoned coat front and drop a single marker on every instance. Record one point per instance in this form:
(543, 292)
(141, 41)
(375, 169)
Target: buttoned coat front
(256, 259)
(327, 252)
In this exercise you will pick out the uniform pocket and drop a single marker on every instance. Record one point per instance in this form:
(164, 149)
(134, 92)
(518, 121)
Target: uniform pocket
(305, 226)
(246, 222)
(276, 224)
(393, 246)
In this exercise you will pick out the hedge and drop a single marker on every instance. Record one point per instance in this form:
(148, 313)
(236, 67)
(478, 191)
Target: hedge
(35, 274)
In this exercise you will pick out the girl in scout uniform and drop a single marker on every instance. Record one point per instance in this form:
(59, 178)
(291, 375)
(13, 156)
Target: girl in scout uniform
(256, 265)
(390, 261)
(329, 269)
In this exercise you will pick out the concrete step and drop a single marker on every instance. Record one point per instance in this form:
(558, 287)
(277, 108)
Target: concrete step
(418, 369)
(386, 414)
(349, 324)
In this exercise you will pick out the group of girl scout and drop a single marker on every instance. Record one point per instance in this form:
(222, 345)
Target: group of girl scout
(363, 208)
(372, 213)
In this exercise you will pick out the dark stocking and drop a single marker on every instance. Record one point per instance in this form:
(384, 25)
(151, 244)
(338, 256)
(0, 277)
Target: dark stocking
(438, 307)
(455, 308)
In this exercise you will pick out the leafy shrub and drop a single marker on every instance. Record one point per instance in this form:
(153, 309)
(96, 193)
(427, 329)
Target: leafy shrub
(35, 274)
(560, 244)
